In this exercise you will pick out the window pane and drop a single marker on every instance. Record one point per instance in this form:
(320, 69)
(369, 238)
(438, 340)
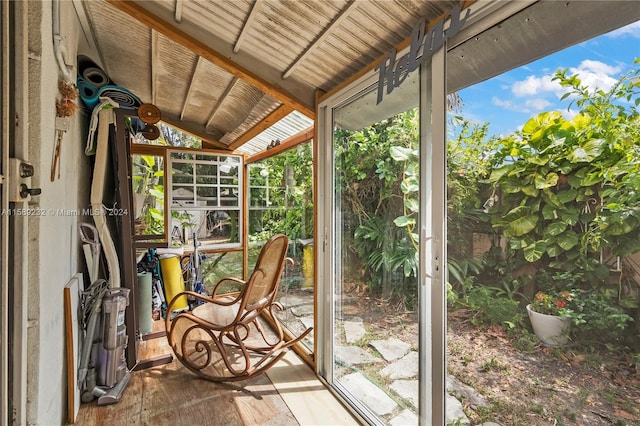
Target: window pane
(147, 187)
(207, 174)
(376, 281)
(208, 208)
(292, 215)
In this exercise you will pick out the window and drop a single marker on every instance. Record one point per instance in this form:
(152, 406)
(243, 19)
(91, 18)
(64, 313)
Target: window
(204, 198)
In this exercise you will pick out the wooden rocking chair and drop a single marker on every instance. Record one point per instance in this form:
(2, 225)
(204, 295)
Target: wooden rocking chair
(224, 339)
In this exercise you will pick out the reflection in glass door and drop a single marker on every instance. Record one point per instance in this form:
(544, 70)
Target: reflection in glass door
(376, 301)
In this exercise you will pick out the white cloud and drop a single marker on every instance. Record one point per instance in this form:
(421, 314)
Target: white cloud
(631, 30)
(538, 104)
(596, 75)
(593, 74)
(597, 67)
(528, 107)
(569, 114)
(533, 85)
(508, 105)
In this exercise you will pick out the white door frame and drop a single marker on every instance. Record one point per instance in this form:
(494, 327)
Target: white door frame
(432, 238)
(14, 285)
(4, 218)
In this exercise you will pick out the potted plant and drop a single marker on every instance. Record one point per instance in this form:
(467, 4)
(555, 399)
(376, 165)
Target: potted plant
(550, 316)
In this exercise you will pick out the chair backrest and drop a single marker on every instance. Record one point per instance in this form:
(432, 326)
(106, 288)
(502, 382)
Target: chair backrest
(263, 282)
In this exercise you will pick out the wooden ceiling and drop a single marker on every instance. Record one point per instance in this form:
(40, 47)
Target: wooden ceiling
(241, 73)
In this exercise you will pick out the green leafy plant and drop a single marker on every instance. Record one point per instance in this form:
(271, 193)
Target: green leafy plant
(558, 304)
(148, 186)
(563, 183)
(378, 172)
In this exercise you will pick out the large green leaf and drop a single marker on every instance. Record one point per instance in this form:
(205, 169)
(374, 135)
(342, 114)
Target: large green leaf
(591, 179)
(150, 160)
(555, 228)
(539, 160)
(530, 191)
(497, 174)
(400, 153)
(587, 152)
(534, 252)
(574, 180)
(403, 221)
(511, 187)
(409, 186)
(516, 243)
(517, 212)
(570, 216)
(549, 212)
(412, 204)
(156, 214)
(553, 250)
(581, 121)
(542, 182)
(521, 225)
(156, 193)
(568, 240)
(526, 241)
(567, 195)
(538, 121)
(552, 199)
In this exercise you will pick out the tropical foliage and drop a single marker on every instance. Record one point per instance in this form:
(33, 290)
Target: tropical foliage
(280, 195)
(378, 177)
(567, 186)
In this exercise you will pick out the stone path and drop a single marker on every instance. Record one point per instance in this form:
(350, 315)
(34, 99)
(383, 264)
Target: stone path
(397, 365)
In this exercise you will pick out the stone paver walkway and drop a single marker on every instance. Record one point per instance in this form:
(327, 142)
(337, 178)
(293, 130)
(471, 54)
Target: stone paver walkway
(396, 404)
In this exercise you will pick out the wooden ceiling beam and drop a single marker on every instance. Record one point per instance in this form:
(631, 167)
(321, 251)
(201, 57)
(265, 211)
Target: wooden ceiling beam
(193, 129)
(290, 142)
(271, 119)
(173, 32)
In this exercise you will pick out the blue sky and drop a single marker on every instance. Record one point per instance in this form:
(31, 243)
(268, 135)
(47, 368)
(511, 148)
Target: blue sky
(510, 99)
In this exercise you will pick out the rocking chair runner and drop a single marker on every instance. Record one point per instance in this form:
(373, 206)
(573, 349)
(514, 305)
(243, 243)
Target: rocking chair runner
(217, 340)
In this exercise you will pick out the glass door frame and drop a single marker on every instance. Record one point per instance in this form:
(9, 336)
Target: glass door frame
(432, 286)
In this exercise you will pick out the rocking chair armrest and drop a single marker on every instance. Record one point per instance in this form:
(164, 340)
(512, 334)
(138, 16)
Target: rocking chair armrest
(175, 299)
(189, 294)
(222, 281)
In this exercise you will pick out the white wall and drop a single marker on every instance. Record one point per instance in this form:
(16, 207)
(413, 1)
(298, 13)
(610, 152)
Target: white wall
(54, 247)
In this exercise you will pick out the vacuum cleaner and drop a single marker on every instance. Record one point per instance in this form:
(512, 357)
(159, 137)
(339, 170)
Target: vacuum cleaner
(103, 372)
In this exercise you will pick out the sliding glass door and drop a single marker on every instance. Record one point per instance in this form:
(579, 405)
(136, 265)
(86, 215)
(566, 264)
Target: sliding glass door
(381, 293)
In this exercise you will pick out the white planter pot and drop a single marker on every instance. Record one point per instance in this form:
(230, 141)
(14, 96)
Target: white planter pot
(550, 329)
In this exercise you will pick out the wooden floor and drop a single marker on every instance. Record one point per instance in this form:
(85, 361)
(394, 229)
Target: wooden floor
(290, 394)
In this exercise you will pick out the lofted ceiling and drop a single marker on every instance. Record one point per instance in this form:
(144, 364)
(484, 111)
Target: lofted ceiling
(227, 71)
(242, 73)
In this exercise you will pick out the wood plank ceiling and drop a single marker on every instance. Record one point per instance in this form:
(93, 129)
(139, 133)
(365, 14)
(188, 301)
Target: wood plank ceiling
(240, 73)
